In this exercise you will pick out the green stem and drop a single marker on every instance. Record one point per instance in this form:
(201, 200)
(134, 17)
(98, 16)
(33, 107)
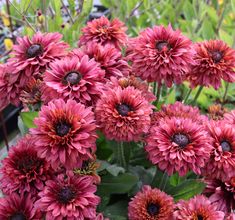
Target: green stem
(154, 87)
(225, 92)
(187, 96)
(197, 94)
(159, 86)
(121, 155)
(163, 180)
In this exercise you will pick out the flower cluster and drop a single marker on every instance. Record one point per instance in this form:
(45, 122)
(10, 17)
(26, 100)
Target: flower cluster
(107, 85)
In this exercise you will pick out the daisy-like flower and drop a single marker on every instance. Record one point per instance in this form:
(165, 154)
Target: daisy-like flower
(23, 170)
(231, 216)
(214, 61)
(89, 167)
(198, 207)
(222, 161)
(161, 54)
(74, 78)
(178, 145)
(15, 207)
(136, 82)
(216, 112)
(69, 197)
(179, 110)
(109, 58)
(123, 114)
(34, 55)
(103, 31)
(65, 133)
(230, 117)
(222, 194)
(150, 204)
(10, 86)
(31, 93)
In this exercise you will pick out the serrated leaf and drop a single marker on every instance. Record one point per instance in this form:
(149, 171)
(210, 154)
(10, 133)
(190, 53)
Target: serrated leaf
(28, 117)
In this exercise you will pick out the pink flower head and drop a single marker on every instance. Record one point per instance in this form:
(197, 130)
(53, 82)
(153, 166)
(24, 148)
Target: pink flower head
(198, 207)
(222, 161)
(109, 58)
(221, 194)
(22, 170)
(230, 117)
(69, 197)
(150, 204)
(178, 145)
(231, 216)
(65, 133)
(103, 31)
(74, 78)
(161, 54)
(123, 114)
(15, 207)
(34, 55)
(179, 110)
(136, 82)
(214, 61)
(10, 85)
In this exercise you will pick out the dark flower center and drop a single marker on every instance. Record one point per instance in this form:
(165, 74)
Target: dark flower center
(34, 50)
(18, 216)
(153, 209)
(181, 139)
(66, 194)
(216, 56)
(123, 109)
(62, 128)
(73, 78)
(163, 45)
(28, 163)
(225, 146)
(200, 217)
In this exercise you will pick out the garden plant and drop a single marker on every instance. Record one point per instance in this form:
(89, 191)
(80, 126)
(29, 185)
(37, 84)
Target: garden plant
(129, 115)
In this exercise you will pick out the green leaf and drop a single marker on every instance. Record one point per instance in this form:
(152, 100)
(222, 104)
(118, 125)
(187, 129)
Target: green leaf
(115, 169)
(171, 97)
(118, 185)
(207, 30)
(175, 179)
(28, 117)
(117, 210)
(186, 189)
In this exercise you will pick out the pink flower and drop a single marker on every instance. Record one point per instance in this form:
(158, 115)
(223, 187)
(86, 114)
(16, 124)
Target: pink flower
(15, 207)
(136, 82)
(230, 117)
(221, 194)
(65, 133)
(222, 160)
(22, 170)
(69, 197)
(34, 55)
(10, 85)
(150, 204)
(198, 207)
(178, 145)
(214, 61)
(123, 114)
(109, 58)
(161, 54)
(103, 31)
(178, 110)
(74, 78)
